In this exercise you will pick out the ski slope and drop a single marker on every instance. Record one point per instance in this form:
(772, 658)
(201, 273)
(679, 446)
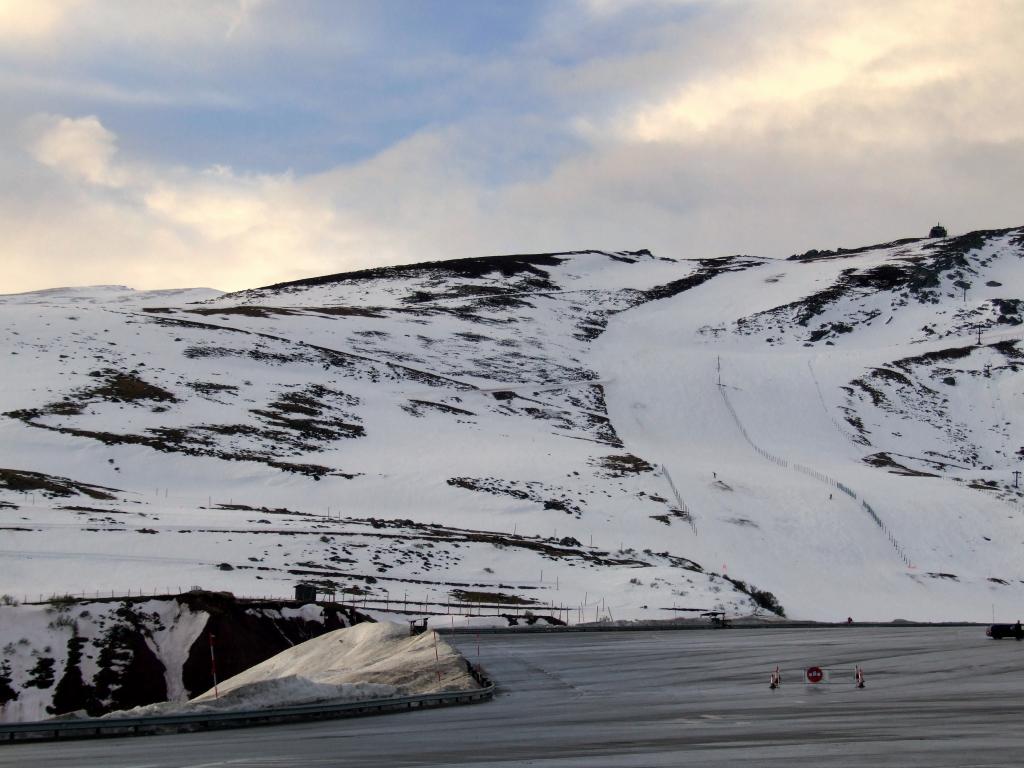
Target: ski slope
(815, 545)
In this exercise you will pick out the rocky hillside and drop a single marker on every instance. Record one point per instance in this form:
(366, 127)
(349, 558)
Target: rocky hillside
(101, 655)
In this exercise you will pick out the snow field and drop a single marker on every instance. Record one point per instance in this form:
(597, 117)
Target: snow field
(476, 396)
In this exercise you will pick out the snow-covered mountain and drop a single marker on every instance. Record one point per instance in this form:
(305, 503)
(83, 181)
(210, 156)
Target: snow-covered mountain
(584, 434)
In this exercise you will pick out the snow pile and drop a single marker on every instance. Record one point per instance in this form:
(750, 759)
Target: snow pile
(367, 661)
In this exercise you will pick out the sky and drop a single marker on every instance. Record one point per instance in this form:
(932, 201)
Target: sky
(238, 143)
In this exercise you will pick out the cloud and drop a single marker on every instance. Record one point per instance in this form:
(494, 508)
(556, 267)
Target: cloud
(26, 23)
(97, 218)
(80, 148)
(43, 23)
(708, 128)
(895, 72)
(181, 35)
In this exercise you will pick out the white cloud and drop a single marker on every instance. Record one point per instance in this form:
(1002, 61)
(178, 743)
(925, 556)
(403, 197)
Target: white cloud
(26, 23)
(80, 148)
(902, 71)
(153, 225)
(767, 128)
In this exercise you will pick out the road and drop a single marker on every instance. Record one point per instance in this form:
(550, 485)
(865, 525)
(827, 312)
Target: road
(934, 697)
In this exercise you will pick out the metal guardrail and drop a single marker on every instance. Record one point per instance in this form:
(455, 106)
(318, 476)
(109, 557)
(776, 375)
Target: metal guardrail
(53, 730)
(655, 627)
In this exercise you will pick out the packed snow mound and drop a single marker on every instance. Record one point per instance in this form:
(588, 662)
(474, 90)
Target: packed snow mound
(381, 654)
(367, 661)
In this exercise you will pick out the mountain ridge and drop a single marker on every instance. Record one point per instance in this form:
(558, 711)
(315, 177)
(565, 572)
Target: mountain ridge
(515, 395)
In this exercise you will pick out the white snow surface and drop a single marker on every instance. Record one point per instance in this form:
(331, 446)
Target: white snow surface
(505, 435)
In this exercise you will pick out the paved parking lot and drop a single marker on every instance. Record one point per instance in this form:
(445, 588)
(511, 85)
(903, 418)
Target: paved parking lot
(934, 697)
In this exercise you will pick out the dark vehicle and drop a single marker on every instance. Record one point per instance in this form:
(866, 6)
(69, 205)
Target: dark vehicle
(717, 619)
(999, 631)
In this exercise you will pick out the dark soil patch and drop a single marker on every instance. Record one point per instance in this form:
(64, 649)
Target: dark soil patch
(708, 269)
(953, 353)
(118, 387)
(1009, 349)
(877, 396)
(506, 266)
(883, 460)
(887, 374)
(417, 407)
(210, 387)
(245, 311)
(816, 255)
(23, 481)
(127, 388)
(264, 510)
(528, 491)
(497, 598)
(316, 471)
(347, 311)
(623, 465)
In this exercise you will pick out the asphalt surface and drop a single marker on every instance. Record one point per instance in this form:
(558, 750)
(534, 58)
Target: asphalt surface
(933, 697)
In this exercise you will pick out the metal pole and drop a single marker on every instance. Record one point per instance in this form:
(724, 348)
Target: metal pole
(213, 668)
(437, 661)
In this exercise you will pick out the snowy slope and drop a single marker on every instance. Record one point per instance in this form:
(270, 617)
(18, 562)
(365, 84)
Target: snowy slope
(491, 432)
(440, 438)
(836, 367)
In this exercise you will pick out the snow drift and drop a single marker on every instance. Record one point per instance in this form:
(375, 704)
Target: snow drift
(367, 661)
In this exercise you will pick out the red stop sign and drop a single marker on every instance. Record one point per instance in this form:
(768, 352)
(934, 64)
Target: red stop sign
(814, 675)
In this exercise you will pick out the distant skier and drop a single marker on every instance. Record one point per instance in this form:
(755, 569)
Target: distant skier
(1018, 632)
